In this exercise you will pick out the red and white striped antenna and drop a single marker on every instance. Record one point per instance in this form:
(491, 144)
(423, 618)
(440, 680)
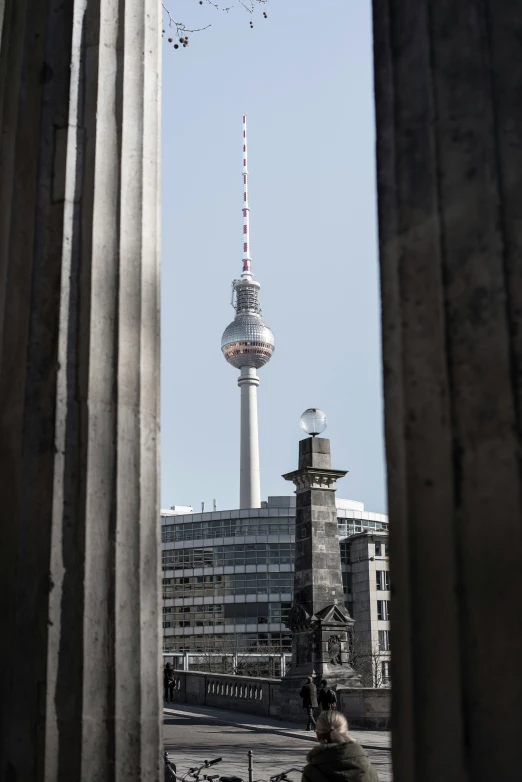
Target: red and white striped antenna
(247, 272)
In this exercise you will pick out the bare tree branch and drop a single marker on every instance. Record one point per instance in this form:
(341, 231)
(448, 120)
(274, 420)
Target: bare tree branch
(219, 7)
(180, 30)
(368, 660)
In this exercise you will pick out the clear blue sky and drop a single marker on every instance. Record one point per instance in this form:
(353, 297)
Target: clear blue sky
(304, 79)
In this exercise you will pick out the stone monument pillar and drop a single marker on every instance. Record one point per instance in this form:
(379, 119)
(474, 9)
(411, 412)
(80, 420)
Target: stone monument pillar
(318, 618)
(79, 378)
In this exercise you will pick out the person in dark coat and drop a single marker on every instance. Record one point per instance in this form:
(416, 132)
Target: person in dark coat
(168, 683)
(326, 697)
(309, 695)
(338, 757)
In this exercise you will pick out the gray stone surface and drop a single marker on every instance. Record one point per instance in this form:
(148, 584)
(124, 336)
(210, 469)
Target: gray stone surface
(79, 379)
(319, 620)
(448, 80)
(193, 734)
(369, 739)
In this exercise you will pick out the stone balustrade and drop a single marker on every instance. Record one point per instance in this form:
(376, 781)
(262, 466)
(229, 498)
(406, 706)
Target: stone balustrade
(364, 707)
(237, 693)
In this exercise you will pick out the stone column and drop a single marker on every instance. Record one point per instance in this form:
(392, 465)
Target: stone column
(318, 619)
(448, 79)
(79, 380)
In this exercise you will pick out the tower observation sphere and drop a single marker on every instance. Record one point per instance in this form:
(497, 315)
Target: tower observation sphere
(247, 344)
(247, 341)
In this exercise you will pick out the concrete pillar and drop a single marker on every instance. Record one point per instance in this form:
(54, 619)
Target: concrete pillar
(79, 377)
(250, 482)
(449, 146)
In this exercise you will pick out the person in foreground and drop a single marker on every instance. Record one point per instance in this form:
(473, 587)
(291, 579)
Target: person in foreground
(338, 758)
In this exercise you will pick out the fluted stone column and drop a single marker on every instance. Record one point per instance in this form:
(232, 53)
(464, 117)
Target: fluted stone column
(448, 80)
(79, 380)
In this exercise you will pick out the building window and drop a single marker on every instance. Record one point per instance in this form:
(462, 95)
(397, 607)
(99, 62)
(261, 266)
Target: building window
(383, 610)
(385, 671)
(227, 528)
(228, 584)
(384, 641)
(229, 556)
(247, 643)
(383, 580)
(381, 549)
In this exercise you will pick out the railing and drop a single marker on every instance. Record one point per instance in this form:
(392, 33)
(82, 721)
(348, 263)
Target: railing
(232, 662)
(238, 693)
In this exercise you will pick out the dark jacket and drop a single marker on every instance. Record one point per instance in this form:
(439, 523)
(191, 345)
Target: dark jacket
(309, 695)
(326, 698)
(347, 762)
(168, 678)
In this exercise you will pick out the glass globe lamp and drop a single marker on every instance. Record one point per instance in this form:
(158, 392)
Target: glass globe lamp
(313, 421)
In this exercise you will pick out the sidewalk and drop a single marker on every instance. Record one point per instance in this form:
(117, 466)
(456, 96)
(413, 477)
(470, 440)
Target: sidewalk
(369, 739)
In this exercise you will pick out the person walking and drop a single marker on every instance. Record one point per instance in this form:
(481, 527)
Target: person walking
(309, 695)
(327, 697)
(168, 683)
(338, 757)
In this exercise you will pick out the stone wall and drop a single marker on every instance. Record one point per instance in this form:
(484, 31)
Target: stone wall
(363, 707)
(368, 708)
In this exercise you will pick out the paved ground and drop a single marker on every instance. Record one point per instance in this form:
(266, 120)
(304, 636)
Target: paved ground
(194, 734)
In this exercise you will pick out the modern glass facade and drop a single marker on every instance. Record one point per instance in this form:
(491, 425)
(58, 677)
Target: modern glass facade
(228, 575)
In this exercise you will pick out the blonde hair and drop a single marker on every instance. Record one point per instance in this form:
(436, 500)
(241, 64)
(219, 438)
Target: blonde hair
(332, 728)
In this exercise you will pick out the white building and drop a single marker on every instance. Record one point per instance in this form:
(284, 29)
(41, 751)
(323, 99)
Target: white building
(366, 579)
(228, 575)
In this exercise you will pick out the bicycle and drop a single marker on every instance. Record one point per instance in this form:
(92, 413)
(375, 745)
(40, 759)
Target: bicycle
(283, 776)
(170, 768)
(193, 774)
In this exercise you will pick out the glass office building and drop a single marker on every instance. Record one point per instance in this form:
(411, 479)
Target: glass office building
(228, 575)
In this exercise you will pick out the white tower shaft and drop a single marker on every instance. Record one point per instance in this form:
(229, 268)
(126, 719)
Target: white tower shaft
(249, 480)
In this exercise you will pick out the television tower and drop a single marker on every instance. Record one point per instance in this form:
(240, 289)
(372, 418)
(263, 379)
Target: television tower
(247, 343)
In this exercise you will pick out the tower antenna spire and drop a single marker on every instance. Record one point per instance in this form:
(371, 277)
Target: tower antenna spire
(247, 271)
